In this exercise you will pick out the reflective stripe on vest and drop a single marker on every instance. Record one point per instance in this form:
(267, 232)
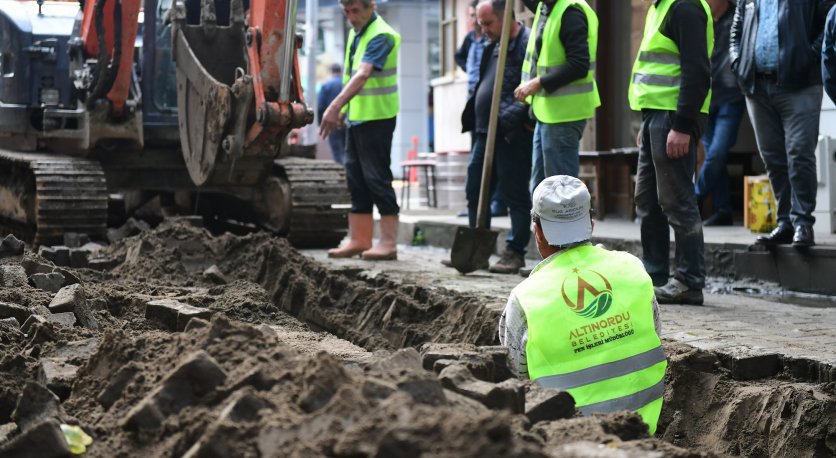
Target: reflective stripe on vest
(578, 99)
(657, 70)
(591, 331)
(604, 371)
(379, 98)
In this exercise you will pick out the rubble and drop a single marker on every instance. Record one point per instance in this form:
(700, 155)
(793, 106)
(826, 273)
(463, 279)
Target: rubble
(11, 246)
(50, 282)
(173, 315)
(67, 299)
(12, 276)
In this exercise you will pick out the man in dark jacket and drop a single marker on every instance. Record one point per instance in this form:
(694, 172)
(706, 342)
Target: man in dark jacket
(512, 160)
(775, 50)
(829, 55)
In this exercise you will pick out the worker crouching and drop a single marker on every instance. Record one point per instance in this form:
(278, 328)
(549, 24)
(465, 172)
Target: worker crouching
(586, 319)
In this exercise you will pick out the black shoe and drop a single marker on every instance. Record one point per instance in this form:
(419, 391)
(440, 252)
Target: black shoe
(803, 237)
(781, 235)
(449, 263)
(719, 219)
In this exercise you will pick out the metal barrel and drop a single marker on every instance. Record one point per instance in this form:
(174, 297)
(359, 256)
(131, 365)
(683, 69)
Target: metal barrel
(451, 174)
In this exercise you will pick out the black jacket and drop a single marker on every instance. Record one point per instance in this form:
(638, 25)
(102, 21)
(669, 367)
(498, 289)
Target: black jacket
(513, 115)
(800, 30)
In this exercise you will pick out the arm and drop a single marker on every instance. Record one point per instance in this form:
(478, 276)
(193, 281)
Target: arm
(513, 334)
(574, 31)
(461, 53)
(829, 56)
(819, 18)
(331, 118)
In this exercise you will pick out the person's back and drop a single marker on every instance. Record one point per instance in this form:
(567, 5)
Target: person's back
(329, 91)
(829, 55)
(584, 321)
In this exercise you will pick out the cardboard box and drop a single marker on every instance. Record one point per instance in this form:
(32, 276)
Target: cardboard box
(760, 210)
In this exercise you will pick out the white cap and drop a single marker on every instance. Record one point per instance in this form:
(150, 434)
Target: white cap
(562, 203)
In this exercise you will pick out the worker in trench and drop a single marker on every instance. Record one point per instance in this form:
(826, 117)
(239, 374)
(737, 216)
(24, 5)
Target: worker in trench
(586, 318)
(368, 105)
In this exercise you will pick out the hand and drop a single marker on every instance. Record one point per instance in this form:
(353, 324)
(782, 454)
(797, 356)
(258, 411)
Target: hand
(526, 89)
(329, 122)
(678, 144)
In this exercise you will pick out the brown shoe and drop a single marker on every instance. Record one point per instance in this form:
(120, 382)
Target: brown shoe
(360, 227)
(509, 263)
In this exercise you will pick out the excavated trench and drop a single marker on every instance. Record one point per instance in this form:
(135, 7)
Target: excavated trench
(366, 396)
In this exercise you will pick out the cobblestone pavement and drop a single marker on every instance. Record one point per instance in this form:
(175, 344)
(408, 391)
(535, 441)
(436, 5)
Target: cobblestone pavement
(737, 324)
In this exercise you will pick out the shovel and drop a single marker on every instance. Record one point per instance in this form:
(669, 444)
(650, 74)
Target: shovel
(472, 247)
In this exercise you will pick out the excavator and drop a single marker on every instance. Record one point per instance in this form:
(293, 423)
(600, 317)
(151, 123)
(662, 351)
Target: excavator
(110, 103)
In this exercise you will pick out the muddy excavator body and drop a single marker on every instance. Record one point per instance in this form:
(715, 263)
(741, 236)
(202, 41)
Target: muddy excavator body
(191, 100)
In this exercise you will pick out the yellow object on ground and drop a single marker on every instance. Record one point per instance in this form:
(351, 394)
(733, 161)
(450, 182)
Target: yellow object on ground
(76, 438)
(760, 210)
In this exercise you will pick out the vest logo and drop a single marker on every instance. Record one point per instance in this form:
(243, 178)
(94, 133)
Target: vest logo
(591, 287)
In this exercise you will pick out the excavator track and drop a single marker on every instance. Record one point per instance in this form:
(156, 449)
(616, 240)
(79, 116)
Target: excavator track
(319, 202)
(44, 196)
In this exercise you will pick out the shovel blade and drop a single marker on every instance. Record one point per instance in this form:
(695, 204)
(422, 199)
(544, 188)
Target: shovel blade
(472, 248)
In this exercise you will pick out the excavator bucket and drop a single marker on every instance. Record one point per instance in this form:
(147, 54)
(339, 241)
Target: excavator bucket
(214, 94)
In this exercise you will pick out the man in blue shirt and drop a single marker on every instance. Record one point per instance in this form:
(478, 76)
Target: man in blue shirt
(327, 93)
(369, 139)
(828, 61)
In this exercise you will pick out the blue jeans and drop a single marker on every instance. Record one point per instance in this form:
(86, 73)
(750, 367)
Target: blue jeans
(336, 140)
(665, 196)
(719, 137)
(786, 123)
(367, 167)
(556, 149)
(511, 171)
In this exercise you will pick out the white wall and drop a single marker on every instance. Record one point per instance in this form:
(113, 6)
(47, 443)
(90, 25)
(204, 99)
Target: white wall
(413, 78)
(826, 170)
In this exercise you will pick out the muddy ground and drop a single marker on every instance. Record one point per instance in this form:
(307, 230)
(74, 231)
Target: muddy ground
(254, 349)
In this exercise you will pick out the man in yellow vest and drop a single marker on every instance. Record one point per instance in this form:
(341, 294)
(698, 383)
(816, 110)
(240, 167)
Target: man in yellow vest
(369, 104)
(585, 319)
(670, 85)
(558, 81)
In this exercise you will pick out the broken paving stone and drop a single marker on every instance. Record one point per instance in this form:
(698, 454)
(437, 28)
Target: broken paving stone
(11, 321)
(64, 318)
(215, 275)
(6, 431)
(11, 246)
(131, 227)
(174, 315)
(77, 349)
(51, 282)
(67, 299)
(509, 394)
(117, 384)
(59, 254)
(58, 375)
(431, 352)
(19, 312)
(78, 258)
(546, 404)
(34, 405)
(196, 376)
(405, 359)
(45, 440)
(85, 317)
(69, 277)
(12, 276)
(32, 266)
(103, 263)
(33, 321)
(75, 239)
(137, 250)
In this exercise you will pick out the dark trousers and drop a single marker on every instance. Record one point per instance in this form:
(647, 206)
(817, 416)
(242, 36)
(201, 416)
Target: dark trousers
(511, 172)
(336, 140)
(719, 137)
(367, 166)
(665, 196)
(786, 123)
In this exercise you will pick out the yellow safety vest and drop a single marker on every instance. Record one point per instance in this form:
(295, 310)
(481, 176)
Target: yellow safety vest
(379, 97)
(578, 99)
(654, 83)
(591, 331)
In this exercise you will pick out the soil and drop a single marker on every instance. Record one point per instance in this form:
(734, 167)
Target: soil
(300, 360)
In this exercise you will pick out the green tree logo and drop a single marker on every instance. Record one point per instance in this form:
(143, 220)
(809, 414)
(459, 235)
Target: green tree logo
(592, 292)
